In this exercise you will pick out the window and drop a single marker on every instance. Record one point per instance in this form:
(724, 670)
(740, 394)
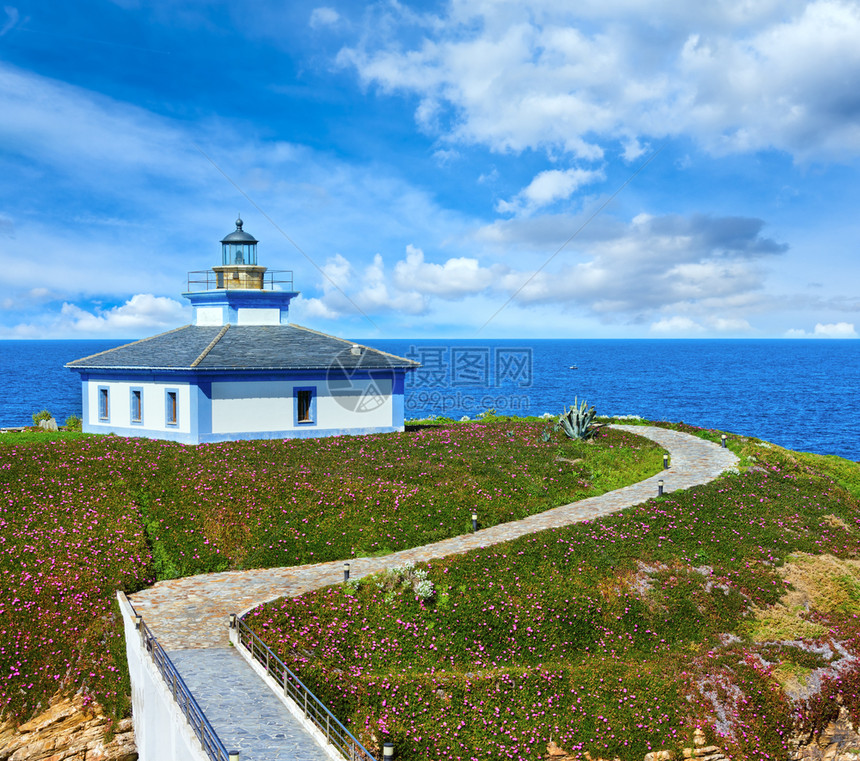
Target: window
(172, 411)
(136, 405)
(104, 403)
(305, 400)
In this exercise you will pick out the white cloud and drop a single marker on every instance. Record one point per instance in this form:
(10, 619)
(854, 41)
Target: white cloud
(141, 311)
(736, 325)
(366, 294)
(91, 137)
(445, 156)
(454, 278)
(825, 330)
(575, 77)
(676, 325)
(835, 330)
(12, 17)
(633, 149)
(702, 271)
(323, 16)
(548, 187)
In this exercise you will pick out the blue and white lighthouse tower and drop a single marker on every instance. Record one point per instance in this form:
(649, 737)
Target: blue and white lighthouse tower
(241, 370)
(239, 291)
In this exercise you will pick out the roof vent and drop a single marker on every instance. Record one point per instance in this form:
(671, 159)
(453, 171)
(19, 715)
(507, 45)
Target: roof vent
(355, 350)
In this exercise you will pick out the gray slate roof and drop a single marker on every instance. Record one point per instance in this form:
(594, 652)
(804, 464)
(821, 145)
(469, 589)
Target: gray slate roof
(235, 347)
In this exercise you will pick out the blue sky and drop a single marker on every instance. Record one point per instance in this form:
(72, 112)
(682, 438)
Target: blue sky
(469, 168)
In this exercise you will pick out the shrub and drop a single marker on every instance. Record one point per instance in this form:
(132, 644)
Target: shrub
(39, 416)
(74, 423)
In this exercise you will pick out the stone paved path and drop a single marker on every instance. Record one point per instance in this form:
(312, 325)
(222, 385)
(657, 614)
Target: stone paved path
(193, 612)
(244, 711)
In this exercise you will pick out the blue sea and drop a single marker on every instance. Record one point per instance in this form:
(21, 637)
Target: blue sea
(801, 394)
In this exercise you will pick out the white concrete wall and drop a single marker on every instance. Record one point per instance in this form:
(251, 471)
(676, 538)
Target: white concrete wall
(258, 316)
(161, 731)
(359, 408)
(248, 406)
(209, 316)
(153, 399)
(240, 406)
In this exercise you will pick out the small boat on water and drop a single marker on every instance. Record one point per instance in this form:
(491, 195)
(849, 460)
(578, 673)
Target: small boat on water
(574, 367)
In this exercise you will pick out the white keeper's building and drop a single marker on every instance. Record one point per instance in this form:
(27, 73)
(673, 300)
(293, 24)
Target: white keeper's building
(241, 370)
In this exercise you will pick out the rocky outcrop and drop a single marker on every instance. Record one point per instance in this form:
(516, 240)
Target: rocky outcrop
(838, 742)
(69, 730)
(699, 752)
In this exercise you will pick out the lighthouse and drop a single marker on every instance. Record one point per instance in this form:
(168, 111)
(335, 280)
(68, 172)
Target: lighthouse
(239, 291)
(241, 369)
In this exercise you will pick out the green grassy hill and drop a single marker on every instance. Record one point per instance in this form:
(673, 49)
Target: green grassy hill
(733, 606)
(82, 516)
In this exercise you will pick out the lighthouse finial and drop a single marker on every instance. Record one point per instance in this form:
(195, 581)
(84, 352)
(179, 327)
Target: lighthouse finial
(238, 221)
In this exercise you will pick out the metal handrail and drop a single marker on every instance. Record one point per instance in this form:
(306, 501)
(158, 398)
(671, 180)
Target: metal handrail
(209, 280)
(205, 732)
(314, 709)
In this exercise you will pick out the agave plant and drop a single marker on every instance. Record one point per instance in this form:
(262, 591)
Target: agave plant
(577, 421)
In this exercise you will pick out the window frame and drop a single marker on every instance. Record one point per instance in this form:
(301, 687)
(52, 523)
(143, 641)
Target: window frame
(298, 392)
(171, 405)
(135, 393)
(103, 403)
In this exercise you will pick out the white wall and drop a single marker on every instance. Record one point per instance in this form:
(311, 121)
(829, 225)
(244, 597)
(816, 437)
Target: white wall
(209, 316)
(153, 401)
(360, 409)
(249, 406)
(258, 316)
(161, 731)
(242, 406)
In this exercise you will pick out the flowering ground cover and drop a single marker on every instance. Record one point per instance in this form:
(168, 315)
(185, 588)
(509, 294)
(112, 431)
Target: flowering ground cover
(82, 516)
(733, 606)
(69, 537)
(259, 504)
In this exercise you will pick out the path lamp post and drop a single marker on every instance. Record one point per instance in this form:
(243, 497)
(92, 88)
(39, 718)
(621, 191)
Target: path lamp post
(388, 752)
(665, 462)
(233, 755)
(474, 524)
(346, 571)
(660, 488)
(232, 620)
(723, 440)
